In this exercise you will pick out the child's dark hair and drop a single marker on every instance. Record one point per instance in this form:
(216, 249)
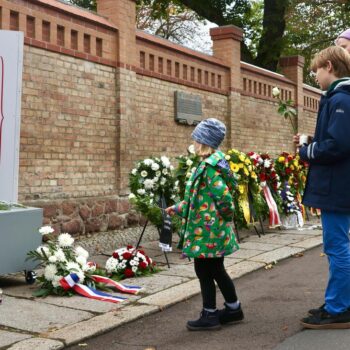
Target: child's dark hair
(337, 56)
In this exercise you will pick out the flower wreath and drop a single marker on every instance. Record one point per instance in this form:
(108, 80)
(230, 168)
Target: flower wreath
(247, 186)
(150, 181)
(129, 262)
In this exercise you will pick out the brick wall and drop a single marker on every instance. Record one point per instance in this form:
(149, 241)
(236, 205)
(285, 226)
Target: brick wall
(98, 96)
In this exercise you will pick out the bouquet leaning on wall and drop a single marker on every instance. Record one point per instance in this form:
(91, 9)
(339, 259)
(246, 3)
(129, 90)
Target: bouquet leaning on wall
(292, 173)
(270, 184)
(249, 202)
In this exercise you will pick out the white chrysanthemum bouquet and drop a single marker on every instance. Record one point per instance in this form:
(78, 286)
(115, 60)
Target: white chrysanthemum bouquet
(149, 181)
(60, 258)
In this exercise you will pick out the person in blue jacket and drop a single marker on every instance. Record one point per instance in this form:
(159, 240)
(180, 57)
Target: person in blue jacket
(328, 183)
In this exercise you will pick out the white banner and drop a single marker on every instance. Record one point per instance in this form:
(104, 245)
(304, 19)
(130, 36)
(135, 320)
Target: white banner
(11, 64)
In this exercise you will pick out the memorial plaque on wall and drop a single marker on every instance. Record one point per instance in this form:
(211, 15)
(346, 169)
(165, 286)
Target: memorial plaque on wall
(188, 108)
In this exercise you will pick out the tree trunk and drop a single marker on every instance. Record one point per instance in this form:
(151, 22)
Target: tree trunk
(271, 42)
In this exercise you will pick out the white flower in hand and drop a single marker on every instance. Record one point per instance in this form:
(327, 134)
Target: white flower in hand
(276, 91)
(191, 149)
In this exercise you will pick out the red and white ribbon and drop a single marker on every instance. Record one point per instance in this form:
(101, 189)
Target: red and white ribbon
(274, 220)
(71, 281)
(121, 287)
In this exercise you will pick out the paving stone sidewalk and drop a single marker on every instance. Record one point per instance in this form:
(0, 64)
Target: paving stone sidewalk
(55, 322)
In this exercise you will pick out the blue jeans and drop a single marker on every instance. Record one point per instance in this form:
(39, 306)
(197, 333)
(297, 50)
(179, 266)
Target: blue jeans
(336, 244)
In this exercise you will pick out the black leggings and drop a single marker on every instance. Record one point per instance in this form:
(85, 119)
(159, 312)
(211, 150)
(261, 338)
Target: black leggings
(209, 270)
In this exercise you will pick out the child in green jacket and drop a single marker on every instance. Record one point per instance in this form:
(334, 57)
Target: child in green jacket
(206, 233)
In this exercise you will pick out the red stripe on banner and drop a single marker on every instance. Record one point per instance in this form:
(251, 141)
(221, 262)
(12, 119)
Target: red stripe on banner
(64, 284)
(274, 219)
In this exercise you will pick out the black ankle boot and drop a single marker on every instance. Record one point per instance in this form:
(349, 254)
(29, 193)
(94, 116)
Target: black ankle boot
(228, 315)
(207, 321)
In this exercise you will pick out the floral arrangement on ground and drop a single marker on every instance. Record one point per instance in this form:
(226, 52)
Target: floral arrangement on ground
(129, 262)
(60, 258)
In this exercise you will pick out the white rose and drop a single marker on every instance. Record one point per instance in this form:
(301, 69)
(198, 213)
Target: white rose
(158, 173)
(141, 191)
(188, 174)
(189, 162)
(267, 163)
(144, 173)
(276, 91)
(165, 171)
(193, 169)
(191, 149)
(131, 196)
(134, 269)
(163, 181)
(134, 171)
(155, 166)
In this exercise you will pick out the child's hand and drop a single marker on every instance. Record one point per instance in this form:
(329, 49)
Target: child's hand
(170, 210)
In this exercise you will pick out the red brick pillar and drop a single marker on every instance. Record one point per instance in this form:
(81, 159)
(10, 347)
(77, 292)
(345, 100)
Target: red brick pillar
(123, 14)
(292, 67)
(227, 48)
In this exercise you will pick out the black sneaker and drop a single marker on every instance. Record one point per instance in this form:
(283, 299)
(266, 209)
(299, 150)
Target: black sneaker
(207, 321)
(228, 315)
(317, 311)
(324, 320)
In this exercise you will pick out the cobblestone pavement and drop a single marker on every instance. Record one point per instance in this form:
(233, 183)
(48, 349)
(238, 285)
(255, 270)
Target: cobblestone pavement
(55, 322)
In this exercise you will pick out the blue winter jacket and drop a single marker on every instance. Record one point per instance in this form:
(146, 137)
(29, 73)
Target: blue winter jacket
(328, 181)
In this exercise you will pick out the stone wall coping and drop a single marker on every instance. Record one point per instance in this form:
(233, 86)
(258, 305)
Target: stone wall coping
(312, 89)
(69, 52)
(292, 61)
(267, 73)
(226, 32)
(179, 48)
(76, 11)
(179, 81)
